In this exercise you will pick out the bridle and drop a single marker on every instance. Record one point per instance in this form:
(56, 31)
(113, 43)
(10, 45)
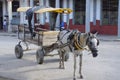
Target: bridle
(89, 39)
(77, 42)
(93, 50)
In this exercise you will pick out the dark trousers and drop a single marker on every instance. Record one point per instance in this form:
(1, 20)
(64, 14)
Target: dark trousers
(30, 24)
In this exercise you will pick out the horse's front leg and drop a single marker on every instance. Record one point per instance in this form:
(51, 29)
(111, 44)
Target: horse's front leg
(63, 58)
(74, 77)
(80, 68)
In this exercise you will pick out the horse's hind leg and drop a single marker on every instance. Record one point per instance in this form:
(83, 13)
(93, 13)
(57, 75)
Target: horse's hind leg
(61, 63)
(80, 68)
(60, 58)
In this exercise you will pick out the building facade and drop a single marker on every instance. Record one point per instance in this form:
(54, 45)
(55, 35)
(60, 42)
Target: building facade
(87, 16)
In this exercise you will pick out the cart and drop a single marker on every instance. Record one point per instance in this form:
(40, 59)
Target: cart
(45, 39)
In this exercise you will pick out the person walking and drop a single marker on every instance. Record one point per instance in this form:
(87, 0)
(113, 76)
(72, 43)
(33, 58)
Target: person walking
(5, 25)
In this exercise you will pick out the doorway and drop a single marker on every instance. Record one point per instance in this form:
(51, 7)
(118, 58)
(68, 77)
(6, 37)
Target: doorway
(1, 18)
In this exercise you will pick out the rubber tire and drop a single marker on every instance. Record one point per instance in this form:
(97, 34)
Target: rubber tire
(18, 51)
(40, 56)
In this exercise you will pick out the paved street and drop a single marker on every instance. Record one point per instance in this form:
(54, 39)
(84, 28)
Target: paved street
(104, 67)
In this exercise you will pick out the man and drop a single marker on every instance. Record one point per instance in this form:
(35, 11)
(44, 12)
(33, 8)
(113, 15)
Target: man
(29, 14)
(62, 26)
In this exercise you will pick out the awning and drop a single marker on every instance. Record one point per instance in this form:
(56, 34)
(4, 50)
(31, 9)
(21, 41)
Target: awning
(48, 9)
(57, 10)
(23, 9)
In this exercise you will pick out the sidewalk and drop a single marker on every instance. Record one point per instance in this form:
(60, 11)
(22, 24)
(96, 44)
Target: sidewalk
(7, 34)
(100, 37)
(108, 38)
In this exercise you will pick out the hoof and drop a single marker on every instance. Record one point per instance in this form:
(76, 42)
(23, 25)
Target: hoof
(61, 67)
(81, 77)
(74, 78)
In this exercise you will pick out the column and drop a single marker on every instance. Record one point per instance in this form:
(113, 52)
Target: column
(42, 18)
(57, 5)
(70, 21)
(119, 19)
(26, 3)
(23, 20)
(91, 11)
(71, 7)
(65, 15)
(4, 9)
(21, 14)
(87, 21)
(47, 19)
(31, 3)
(9, 15)
(98, 11)
(94, 12)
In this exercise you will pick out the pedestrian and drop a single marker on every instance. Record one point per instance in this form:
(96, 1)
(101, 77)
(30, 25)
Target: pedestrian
(5, 25)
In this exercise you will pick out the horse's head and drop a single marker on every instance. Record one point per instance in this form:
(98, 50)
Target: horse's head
(93, 43)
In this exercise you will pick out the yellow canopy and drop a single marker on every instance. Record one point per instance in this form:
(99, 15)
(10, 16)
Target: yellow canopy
(23, 9)
(58, 10)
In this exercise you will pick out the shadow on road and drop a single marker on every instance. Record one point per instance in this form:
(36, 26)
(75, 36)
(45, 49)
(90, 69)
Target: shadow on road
(2, 78)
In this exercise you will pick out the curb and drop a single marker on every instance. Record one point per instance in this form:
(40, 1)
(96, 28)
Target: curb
(8, 34)
(109, 40)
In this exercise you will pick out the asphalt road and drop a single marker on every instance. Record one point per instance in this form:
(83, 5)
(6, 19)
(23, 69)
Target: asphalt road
(104, 67)
(2, 78)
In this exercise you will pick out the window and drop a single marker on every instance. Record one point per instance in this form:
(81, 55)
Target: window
(36, 2)
(110, 12)
(52, 15)
(15, 5)
(52, 3)
(79, 15)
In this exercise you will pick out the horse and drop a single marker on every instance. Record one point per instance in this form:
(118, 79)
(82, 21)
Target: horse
(77, 43)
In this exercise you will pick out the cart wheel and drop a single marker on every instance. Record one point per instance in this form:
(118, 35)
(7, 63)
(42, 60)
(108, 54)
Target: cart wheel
(40, 56)
(66, 56)
(18, 51)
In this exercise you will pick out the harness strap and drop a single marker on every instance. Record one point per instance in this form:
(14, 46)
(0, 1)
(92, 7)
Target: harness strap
(77, 43)
(63, 36)
(64, 45)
